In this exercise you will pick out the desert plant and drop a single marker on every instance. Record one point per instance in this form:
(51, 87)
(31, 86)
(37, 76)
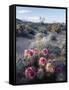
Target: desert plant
(56, 27)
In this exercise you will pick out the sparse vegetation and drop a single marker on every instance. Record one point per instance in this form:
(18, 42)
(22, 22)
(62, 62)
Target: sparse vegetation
(35, 37)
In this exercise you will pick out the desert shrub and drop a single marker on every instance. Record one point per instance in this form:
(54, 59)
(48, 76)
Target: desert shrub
(39, 36)
(53, 38)
(42, 29)
(17, 26)
(19, 29)
(61, 42)
(54, 50)
(24, 30)
(31, 31)
(39, 41)
(42, 41)
(36, 44)
(63, 50)
(49, 27)
(24, 33)
(56, 27)
(63, 27)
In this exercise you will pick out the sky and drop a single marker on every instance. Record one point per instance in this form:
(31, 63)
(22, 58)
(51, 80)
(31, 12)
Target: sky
(33, 14)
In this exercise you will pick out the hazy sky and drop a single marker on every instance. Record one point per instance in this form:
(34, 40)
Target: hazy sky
(34, 14)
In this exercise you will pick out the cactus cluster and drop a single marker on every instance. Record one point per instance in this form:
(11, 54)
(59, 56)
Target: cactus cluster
(35, 65)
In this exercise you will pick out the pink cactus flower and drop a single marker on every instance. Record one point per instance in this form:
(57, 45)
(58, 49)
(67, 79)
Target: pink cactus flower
(45, 51)
(30, 73)
(28, 52)
(42, 61)
(36, 51)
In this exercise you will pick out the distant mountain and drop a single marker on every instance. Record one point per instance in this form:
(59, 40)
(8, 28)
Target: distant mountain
(18, 21)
